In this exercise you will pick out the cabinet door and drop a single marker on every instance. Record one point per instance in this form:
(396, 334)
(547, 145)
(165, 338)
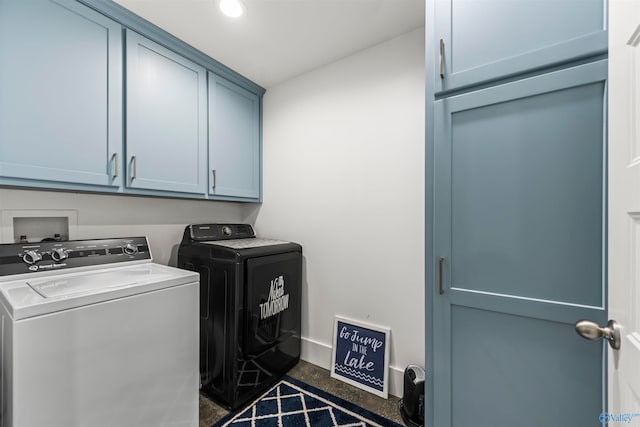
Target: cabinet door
(166, 119)
(234, 140)
(519, 237)
(60, 93)
(484, 40)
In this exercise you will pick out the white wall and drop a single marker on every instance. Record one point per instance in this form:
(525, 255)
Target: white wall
(344, 176)
(102, 216)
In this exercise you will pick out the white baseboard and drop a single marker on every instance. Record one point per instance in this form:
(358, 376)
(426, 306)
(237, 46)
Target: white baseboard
(320, 355)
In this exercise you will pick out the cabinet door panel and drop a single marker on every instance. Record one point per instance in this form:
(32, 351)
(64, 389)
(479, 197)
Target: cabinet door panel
(486, 40)
(234, 140)
(166, 119)
(519, 223)
(61, 93)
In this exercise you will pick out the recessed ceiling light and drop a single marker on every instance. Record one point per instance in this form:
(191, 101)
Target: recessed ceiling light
(232, 8)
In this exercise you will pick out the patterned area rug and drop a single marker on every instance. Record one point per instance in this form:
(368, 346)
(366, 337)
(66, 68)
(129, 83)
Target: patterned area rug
(291, 403)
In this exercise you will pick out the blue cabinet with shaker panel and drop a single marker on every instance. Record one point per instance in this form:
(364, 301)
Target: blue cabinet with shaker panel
(166, 119)
(515, 218)
(60, 94)
(234, 140)
(518, 204)
(478, 41)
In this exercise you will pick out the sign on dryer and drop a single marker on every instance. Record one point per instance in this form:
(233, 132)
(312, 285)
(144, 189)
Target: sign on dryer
(277, 302)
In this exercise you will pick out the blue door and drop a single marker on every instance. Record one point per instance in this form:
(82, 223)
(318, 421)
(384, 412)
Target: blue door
(484, 40)
(518, 258)
(234, 140)
(60, 94)
(166, 119)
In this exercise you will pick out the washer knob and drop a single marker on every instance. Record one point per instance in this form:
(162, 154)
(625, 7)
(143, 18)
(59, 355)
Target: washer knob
(31, 257)
(59, 254)
(130, 249)
(226, 230)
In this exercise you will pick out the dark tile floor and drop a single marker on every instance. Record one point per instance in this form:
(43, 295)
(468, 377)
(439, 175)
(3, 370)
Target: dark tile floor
(319, 378)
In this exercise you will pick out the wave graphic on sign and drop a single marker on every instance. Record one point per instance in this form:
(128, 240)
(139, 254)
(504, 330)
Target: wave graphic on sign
(352, 372)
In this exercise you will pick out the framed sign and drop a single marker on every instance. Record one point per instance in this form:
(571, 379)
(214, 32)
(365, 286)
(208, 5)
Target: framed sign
(361, 355)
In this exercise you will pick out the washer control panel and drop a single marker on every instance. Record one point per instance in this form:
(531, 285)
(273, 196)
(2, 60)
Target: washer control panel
(19, 258)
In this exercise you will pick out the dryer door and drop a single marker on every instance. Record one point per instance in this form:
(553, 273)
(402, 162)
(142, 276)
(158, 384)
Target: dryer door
(273, 290)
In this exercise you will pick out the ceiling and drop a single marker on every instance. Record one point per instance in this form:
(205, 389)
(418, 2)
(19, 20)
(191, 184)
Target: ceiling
(279, 39)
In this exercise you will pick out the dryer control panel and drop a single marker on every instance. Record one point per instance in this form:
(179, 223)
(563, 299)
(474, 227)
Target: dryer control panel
(20, 258)
(207, 232)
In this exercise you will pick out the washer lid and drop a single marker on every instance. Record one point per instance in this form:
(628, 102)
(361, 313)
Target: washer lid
(66, 286)
(49, 294)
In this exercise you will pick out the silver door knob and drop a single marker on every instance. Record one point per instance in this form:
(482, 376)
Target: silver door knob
(591, 331)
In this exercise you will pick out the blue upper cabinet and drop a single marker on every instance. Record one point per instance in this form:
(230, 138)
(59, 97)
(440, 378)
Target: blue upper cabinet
(89, 104)
(483, 40)
(234, 140)
(166, 132)
(60, 94)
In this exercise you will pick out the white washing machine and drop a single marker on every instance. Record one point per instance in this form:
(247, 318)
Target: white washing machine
(95, 334)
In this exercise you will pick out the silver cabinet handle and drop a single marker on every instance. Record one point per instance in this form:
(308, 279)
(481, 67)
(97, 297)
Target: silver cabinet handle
(440, 286)
(134, 167)
(441, 58)
(213, 179)
(114, 158)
